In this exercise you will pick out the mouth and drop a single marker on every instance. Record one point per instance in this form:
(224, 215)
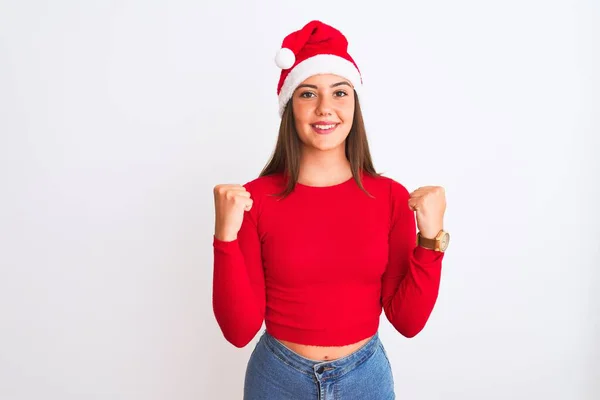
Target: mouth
(324, 128)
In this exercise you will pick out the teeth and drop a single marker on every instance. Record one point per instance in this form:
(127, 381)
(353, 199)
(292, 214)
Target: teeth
(325, 126)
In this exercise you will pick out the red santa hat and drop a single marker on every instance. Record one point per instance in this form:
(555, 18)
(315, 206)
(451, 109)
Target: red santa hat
(317, 48)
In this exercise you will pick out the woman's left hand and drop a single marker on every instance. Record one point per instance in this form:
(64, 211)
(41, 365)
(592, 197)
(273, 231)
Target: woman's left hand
(429, 202)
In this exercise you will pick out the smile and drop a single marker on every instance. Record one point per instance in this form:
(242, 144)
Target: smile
(323, 129)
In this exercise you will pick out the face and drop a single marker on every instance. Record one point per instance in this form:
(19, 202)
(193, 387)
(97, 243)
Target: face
(323, 111)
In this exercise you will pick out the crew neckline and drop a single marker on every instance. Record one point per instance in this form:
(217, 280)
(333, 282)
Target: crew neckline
(351, 179)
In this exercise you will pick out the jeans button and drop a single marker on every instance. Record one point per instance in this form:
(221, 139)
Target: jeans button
(320, 369)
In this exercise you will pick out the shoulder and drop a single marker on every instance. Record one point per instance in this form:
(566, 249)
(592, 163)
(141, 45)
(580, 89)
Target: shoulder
(264, 185)
(260, 189)
(394, 188)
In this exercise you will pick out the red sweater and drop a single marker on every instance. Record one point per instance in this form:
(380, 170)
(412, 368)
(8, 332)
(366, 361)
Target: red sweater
(320, 265)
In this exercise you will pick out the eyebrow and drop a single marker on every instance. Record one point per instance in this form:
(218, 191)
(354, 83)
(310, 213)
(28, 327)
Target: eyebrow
(315, 86)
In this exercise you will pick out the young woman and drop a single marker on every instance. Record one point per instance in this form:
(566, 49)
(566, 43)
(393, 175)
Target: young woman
(320, 243)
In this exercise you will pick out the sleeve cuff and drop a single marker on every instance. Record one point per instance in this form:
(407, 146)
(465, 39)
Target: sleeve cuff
(224, 245)
(427, 256)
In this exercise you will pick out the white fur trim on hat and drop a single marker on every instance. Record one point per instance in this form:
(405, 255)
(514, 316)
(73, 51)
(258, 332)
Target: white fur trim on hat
(319, 64)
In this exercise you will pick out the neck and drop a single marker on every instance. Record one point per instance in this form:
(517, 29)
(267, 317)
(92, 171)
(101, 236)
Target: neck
(321, 168)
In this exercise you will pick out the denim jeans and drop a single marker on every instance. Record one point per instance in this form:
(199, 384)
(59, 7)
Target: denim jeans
(275, 372)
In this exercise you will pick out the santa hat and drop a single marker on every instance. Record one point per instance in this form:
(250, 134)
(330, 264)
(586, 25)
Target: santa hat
(317, 48)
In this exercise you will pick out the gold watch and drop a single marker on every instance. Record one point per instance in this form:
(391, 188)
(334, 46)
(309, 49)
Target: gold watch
(439, 243)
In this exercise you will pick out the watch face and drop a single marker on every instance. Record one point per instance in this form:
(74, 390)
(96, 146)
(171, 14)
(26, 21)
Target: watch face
(445, 240)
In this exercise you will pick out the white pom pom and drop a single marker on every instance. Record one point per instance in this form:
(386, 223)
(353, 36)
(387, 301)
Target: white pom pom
(285, 58)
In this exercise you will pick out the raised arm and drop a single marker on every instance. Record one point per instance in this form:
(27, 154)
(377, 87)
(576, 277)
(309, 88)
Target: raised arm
(411, 280)
(238, 296)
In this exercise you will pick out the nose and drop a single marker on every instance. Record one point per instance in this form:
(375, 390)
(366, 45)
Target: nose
(324, 106)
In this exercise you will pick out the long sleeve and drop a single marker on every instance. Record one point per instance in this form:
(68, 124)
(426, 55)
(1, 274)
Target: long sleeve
(238, 296)
(411, 281)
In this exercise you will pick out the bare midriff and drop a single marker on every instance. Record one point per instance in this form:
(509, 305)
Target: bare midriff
(324, 353)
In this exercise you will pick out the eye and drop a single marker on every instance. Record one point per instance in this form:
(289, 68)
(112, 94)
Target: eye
(307, 95)
(341, 93)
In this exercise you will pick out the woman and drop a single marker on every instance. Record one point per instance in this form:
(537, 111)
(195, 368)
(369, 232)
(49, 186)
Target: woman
(320, 243)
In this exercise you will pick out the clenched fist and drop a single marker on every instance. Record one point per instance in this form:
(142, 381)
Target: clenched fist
(231, 201)
(429, 203)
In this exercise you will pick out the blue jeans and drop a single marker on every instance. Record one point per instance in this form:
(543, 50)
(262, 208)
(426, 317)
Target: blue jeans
(275, 372)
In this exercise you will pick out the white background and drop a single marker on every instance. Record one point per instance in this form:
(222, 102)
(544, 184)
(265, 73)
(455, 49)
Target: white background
(117, 119)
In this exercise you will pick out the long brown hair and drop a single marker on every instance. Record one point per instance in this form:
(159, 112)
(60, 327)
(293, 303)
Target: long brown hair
(286, 156)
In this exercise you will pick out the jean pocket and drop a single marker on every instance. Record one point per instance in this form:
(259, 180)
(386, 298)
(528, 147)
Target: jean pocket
(390, 374)
(384, 353)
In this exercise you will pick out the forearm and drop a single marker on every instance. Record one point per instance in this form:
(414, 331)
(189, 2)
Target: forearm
(408, 307)
(239, 310)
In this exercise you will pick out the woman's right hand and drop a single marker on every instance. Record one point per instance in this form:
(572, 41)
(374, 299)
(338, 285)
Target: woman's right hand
(231, 201)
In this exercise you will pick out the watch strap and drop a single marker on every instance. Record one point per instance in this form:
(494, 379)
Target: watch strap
(426, 242)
